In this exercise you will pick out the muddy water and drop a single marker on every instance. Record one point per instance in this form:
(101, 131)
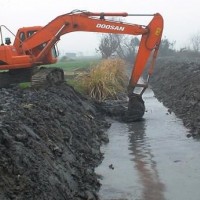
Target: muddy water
(150, 160)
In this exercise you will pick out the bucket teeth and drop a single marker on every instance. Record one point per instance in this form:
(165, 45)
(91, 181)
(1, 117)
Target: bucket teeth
(136, 108)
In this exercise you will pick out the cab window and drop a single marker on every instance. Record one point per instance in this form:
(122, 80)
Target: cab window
(29, 33)
(22, 36)
(54, 51)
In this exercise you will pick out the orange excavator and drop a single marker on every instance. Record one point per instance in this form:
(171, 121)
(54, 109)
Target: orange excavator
(35, 46)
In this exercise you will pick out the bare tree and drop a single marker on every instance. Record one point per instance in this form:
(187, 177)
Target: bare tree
(195, 42)
(127, 48)
(166, 47)
(109, 44)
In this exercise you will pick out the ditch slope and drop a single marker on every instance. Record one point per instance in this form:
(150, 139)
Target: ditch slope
(49, 144)
(176, 83)
(50, 138)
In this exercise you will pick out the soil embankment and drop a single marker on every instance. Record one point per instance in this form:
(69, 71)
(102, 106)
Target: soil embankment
(49, 144)
(176, 83)
(50, 138)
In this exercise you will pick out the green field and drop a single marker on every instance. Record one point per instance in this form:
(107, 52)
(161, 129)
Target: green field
(75, 64)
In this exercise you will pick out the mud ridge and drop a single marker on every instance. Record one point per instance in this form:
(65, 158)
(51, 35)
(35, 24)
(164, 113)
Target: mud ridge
(176, 83)
(49, 144)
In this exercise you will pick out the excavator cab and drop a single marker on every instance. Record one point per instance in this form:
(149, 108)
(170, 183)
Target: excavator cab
(25, 34)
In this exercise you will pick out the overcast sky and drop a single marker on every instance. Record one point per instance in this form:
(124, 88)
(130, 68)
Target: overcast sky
(181, 17)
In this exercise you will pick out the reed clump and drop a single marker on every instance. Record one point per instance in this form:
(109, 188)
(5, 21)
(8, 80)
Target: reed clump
(104, 81)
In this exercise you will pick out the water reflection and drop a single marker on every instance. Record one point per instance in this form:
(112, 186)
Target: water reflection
(153, 188)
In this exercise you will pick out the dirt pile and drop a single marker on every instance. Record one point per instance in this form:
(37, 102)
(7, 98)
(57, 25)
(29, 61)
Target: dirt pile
(49, 144)
(176, 82)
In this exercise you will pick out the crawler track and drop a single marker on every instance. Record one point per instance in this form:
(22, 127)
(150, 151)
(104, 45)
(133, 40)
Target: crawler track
(38, 77)
(47, 76)
(9, 78)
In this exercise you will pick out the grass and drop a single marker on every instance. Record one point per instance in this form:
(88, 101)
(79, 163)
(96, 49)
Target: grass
(24, 85)
(71, 65)
(104, 81)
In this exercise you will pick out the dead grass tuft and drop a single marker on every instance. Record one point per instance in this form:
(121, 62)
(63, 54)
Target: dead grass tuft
(105, 81)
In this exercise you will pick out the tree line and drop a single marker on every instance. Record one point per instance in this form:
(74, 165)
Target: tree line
(125, 47)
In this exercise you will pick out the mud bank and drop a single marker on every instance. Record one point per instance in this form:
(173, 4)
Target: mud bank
(49, 144)
(176, 83)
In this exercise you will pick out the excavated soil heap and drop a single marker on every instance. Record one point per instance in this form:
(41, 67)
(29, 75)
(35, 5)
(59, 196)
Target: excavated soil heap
(49, 144)
(176, 83)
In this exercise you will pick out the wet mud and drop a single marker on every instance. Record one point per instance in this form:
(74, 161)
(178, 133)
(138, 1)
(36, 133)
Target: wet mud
(50, 142)
(176, 83)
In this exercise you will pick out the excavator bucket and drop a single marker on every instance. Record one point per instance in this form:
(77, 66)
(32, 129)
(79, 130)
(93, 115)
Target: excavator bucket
(136, 108)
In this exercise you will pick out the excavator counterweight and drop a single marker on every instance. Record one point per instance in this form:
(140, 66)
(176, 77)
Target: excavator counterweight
(35, 46)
